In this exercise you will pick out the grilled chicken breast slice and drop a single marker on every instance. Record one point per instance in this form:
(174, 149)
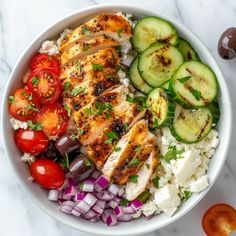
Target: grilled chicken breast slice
(104, 59)
(133, 190)
(113, 26)
(135, 148)
(87, 47)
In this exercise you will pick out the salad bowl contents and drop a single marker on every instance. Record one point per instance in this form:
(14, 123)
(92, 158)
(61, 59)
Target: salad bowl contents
(117, 119)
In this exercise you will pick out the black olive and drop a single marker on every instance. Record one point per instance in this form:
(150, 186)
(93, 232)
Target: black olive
(81, 168)
(51, 151)
(227, 44)
(67, 144)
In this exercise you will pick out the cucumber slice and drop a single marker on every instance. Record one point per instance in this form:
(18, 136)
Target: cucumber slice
(215, 110)
(194, 85)
(136, 78)
(162, 108)
(152, 29)
(166, 85)
(158, 62)
(191, 126)
(188, 51)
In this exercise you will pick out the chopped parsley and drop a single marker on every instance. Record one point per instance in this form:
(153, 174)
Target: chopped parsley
(172, 154)
(134, 162)
(77, 91)
(81, 185)
(10, 99)
(85, 31)
(119, 31)
(31, 107)
(80, 131)
(133, 178)
(34, 80)
(137, 148)
(129, 98)
(186, 195)
(23, 94)
(88, 162)
(97, 67)
(65, 163)
(118, 67)
(110, 136)
(124, 202)
(117, 149)
(79, 68)
(33, 126)
(155, 122)
(107, 116)
(119, 49)
(197, 94)
(184, 79)
(67, 109)
(109, 76)
(155, 181)
(89, 111)
(66, 86)
(147, 165)
(144, 196)
(87, 47)
(125, 126)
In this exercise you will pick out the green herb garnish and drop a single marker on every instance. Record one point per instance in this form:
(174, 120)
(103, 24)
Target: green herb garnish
(147, 165)
(33, 126)
(67, 109)
(134, 162)
(129, 98)
(31, 107)
(110, 136)
(187, 195)
(124, 202)
(117, 149)
(89, 111)
(79, 68)
(66, 86)
(10, 99)
(85, 31)
(34, 80)
(197, 94)
(144, 196)
(119, 31)
(137, 148)
(88, 162)
(97, 67)
(87, 47)
(155, 181)
(172, 154)
(77, 91)
(133, 178)
(184, 79)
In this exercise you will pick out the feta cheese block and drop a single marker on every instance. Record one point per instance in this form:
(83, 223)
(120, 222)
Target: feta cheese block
(199, 185)
(184, 168)
(167, 199)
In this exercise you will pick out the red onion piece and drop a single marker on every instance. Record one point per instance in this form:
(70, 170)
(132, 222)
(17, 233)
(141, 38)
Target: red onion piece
(95, 174)
(71, 190)
(69, 203)
(88, 187)
(128, 210)
(126, 46)
(126, 60)
(147, 217)
(101, 204)
(90, 199)
(105, 195)
(118, 211)
(101, 183)
(125, 217)
(97, 209)
(64, 210)
(105, 214)
(89, 215)
(83, 207)
(95, 219)
(79, 196)
(113, 204)
(116, 199)
(75, 212)
(136, 204)
(114, 189)
(53, 195)
(111, 220)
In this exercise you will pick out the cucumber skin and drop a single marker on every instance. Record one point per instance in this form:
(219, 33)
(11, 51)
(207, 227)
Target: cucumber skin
(179, 139)
(196, 56)
(167, 87)
(179, 100)
(215, 110)
(171, 111)
(176, 43)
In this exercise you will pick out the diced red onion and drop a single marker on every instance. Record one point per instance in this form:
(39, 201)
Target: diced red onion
(89, 215)
(101, 183)
(53, 195)
(125, 217)
(114, 189)
(88, 187)
(75, 212)
(71, 182)
(111, 220)
(65, 207)
(60, 194)
(64, 210)
(118, 211)
(105, 214)
(116, 199)
(79, 196)
(71, 190)
(65, 184)
(97, 209)
(128, 210)
(69, 203)
(90, 199)
(105, 195)
(147, 217)
(94, 219)
(136, 204)
(66, 196)
(126, 60)
(90, 181)
(95, 174)
(126, 46)
(83, 207)
(60, 201)
(101, 204)
(113, 204)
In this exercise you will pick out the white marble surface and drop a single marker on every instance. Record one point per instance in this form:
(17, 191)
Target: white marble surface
(22, 20)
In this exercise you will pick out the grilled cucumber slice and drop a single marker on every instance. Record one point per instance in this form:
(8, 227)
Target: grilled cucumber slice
(215, 110)
(136, 78)
(194, 85)
(162, 108)
(188, 51)
(166, 85)
(191, 126)
(157, 63)
(152, 29)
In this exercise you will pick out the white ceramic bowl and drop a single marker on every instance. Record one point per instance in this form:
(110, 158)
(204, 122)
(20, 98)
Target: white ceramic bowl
(40, 196)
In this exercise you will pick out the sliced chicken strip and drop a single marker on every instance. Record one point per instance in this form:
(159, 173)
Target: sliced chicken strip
(87, 47)
(113, 26)
(135, 148)
(133, 190)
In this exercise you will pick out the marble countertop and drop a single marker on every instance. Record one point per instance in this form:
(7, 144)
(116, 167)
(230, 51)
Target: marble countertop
(22, 20)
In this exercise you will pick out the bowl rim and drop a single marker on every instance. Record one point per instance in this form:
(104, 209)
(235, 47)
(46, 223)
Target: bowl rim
(106, 231)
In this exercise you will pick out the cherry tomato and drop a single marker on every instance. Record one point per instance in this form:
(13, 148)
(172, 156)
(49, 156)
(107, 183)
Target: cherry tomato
(219, 220)
(47, 173)
(24, 104)
(46, 84)
(42, 61)
(53, 119)
(31, 141)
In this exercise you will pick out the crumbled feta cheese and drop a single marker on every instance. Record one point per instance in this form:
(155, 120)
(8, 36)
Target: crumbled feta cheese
(150, 208)
(27, 158)
(49, 47)
(123, 78)
(185, 167)
(62, 36)
(167, 199)
(17, 124)
(199, 185)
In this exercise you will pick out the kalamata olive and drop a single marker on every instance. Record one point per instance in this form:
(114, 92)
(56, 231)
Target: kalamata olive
(81, 168)
(227, 44)
(51, 152)
(67, 144)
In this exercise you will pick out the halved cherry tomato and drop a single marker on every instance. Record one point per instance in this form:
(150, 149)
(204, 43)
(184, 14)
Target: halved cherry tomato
(31, 141)
(24, 104)
(47, 173)
(46, 84)
(53, 119)
(219, 220)
(42, 61)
